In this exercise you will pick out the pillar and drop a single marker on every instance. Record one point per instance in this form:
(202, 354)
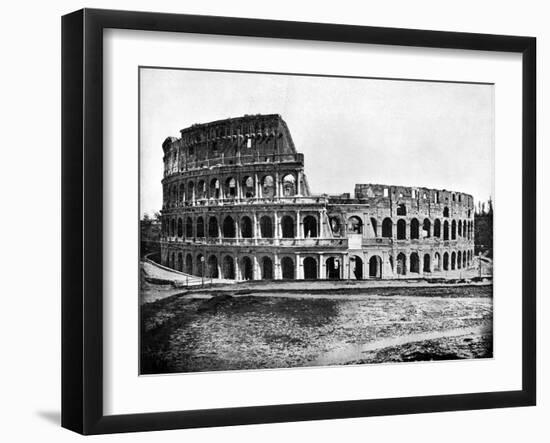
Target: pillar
(299, 267)
(299, 231)
(255, 228)
(277, 226)
(298, 183)
(322, 267)
(256, 186)
(257, 272)
(276, 266)
(237, 269)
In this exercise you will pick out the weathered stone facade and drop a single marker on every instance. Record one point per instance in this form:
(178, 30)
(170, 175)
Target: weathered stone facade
(237, 205)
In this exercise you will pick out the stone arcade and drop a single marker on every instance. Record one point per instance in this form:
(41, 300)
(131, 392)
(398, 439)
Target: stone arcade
(237, 205)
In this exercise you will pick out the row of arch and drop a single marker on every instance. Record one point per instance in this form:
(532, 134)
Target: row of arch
(243, 268)
(445, 230)
(232, 227)
(242, 227)
(249, 186)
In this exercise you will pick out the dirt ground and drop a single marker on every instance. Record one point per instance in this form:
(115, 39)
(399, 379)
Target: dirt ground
(185, 334)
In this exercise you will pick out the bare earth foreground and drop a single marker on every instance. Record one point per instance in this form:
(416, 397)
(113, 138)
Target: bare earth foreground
(189, 333)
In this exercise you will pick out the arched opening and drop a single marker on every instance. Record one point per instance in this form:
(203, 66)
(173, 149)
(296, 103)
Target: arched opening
(437, 228)
(459, 260)
(189, 264)
(310, 227)
(180, 227)
(427, 260)
(387, 228)
(172, 227)
(289, 185)
(446, 230)
(445, 211)
(414, 263)
(200, 227)
(174, 196)
(215, 188)
(212, 267)
(415, 229)
(460, 234)
(426, 228)
(401, 264)
(310, 268)
(287, 268)
(267, 268)
(287, 226)
(437, 262)
(266, 227)
(401, 209)
(248, 187)
(246, 227)
(401, 229)
(200, 265)
(335, 225)
(189, 227)
(173, 260)
(230, 188)
(247, 271)
(464, 260)
(190, 191)
(446, 261)
(356, 267)
(355, 225)
(228, 268)
(201, 190)
(453, 230)
(228, 227)
(268, 186)
(213, 230)
(333, 268)
(453, 261)
(375, 267)
(180, 261)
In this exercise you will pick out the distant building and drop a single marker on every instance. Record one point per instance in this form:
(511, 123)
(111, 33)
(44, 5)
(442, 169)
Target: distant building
(237, 205)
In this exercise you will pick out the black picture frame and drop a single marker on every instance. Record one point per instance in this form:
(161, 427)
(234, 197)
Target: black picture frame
(82, 215)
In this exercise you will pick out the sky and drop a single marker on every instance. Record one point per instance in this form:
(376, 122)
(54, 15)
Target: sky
(396, 132)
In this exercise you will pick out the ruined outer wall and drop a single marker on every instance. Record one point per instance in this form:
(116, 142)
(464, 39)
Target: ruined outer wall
(236, 204)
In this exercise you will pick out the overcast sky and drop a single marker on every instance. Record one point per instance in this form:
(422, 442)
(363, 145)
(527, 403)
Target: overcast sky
(437, 135)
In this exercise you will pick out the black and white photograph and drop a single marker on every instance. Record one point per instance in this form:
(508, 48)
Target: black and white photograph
(304, 220)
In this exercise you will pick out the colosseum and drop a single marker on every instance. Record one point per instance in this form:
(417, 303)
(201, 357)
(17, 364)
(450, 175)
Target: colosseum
(237, 205)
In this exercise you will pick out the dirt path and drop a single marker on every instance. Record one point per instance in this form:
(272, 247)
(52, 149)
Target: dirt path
(356, 352)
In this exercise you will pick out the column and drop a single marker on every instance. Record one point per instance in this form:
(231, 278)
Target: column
(238, 184)
(277, 226)
(237, 269)
(255, 228)
(421, 263)
(257, 271)
(322, 267)
(299, 231)
(299, 267)
(299, 183)
(237, 228)
(256, 186)
(321, 224)
(276, 266)
(276, 184)
(219, 229)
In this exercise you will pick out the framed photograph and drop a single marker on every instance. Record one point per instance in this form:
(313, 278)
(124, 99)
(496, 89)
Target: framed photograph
(269, 221)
